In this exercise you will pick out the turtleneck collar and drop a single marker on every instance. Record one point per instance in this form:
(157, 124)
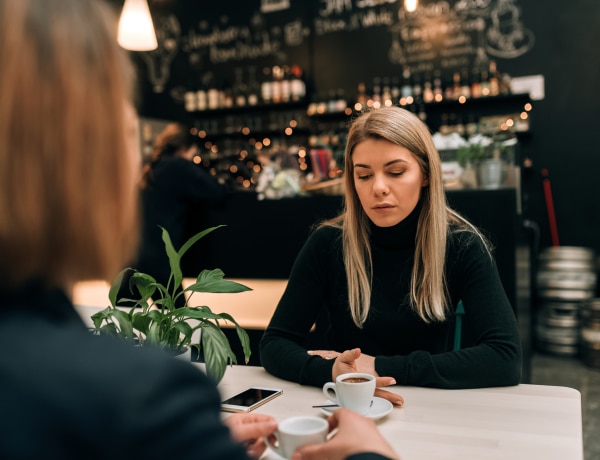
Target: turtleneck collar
(399, 236)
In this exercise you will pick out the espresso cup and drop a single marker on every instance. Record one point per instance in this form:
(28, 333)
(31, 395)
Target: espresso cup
(353, 391)
(295, 432)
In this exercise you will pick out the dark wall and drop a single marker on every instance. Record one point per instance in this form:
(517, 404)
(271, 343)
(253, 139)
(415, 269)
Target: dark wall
(375, 39)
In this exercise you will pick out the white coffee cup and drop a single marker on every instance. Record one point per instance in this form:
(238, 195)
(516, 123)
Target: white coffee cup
(353, 391)
(295, 432)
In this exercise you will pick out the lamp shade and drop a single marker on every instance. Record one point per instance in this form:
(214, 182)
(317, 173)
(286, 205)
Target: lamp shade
(410, 5)
(136, 30)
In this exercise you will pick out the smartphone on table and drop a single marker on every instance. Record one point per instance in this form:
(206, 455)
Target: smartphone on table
(250, 399)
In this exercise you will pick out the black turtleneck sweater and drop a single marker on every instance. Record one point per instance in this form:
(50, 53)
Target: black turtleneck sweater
(404, 346)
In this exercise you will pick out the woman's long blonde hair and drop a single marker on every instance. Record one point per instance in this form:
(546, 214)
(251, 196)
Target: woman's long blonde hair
(428, 290)
(68, 201)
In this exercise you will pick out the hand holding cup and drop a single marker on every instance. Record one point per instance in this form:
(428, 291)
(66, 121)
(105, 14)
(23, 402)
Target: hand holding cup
(353, 390)
(295, 432)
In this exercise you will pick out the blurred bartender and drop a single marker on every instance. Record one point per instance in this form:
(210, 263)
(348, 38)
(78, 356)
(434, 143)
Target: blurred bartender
(171, 185)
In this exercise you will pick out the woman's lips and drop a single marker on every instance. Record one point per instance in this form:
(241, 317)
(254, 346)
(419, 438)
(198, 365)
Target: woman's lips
(382, 207)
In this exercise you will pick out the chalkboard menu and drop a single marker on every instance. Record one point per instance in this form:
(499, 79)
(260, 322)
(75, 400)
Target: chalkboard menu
(338, 43)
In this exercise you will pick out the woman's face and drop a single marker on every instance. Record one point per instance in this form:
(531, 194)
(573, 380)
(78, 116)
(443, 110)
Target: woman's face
(388, 180)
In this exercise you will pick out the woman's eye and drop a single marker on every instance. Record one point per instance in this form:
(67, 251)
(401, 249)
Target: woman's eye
(396, 173)
(363, 176)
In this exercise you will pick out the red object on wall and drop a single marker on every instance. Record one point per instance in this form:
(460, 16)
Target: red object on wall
(550, 207)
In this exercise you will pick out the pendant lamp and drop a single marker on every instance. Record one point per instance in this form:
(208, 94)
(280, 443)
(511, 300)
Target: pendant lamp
(410, 5)
(136, 30)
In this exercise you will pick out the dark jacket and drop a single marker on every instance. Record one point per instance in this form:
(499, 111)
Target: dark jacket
(66, 394)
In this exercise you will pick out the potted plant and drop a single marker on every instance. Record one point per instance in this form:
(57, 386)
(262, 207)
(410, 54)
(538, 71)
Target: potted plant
(154, 319)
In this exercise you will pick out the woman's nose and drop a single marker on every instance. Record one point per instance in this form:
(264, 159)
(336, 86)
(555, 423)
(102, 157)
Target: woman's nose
(380, 187)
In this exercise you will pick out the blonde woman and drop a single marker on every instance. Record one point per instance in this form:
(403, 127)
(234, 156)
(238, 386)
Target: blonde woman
(384, 279)
(69, 167)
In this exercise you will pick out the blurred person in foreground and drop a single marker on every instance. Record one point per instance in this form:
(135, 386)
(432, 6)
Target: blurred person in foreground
(388, 275)
(68, 201)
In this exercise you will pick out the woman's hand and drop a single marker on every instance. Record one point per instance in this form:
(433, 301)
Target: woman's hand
(355, 361)
(355, 434)
(250, 430)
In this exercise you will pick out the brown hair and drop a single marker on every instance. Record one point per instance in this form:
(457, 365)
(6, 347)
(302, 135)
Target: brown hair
(428, 284)
(172, 140)
(68, 165)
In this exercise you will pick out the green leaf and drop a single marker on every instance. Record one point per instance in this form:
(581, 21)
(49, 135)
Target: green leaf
(189, 243)
(145, 284)
(217, 351)
(174, 259)
(115, 286)
(212, 281)
(124, 323)
(199, 313)
(245, 341)
(102, 316)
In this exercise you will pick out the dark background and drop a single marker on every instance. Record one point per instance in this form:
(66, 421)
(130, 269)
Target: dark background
(564, 50)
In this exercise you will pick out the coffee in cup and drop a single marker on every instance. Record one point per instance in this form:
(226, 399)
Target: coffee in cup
(295, 432)
(353, 391)
(355, 380)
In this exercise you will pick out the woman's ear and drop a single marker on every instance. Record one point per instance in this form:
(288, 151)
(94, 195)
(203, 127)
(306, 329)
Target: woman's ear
(425, 182)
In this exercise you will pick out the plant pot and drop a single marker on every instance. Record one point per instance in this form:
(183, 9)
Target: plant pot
(185, 355)
(491, 173)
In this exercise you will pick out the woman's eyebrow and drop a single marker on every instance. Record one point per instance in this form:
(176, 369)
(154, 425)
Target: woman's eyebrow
(399, 160)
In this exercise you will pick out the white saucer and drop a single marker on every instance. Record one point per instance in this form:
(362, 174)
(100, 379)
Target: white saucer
(380, 408)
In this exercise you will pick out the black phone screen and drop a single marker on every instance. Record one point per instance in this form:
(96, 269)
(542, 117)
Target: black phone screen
(249, 397)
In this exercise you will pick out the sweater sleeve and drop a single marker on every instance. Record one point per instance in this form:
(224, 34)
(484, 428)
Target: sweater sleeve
(490, 353)
(282, 349)
(176, 414)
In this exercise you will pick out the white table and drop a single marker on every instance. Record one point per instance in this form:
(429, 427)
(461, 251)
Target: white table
(527, 422)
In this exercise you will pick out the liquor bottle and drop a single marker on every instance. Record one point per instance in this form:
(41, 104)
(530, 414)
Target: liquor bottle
(444, 127)
(286, 84)
(340, 101)
(331, 101)
(361, 96)
(201, 97)
(386, 92)
(376, 92)
(266, 86)
(428, 95)
(239, 88)
(471, 126)
(475, 84)
(417, 90)
(253, 87)
(465, 84)
(276, 84)
(297, 85)
(454, 93)
(406, 89)
(493, 79)
(448, 86)
(421, 113)
(438, 93)
(213, 96)
(189, 101)
(485, 83)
